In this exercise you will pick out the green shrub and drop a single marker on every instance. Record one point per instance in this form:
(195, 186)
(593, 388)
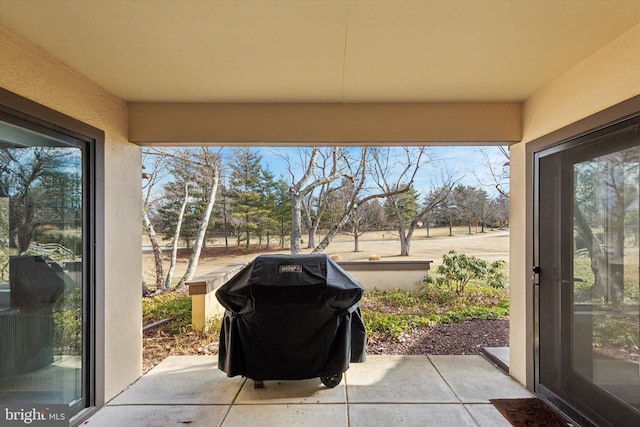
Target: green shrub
(168, 305)
(397, 312)
(67, 323)
(458, 270)
(391, 324)
(400, 298)
(474, 312)
(67, 329)
(616, 331)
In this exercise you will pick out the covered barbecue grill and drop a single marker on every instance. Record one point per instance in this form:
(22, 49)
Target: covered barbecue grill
(291, 317)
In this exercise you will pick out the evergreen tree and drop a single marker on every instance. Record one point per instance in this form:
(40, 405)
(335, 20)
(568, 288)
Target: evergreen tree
(247, 182)
(281, 209)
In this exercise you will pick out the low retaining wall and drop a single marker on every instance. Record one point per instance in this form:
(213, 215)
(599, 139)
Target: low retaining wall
(204, 304)
(380, 274)
(387, 275)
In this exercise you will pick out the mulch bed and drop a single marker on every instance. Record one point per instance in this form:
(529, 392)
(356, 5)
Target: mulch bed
(450, 338)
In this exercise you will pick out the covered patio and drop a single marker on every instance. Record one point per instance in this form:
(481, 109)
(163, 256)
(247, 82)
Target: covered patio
(103, 78)
(386, 390)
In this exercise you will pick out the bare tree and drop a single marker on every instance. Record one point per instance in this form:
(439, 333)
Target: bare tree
(300, 189)
(498, 169)
(606, 194)
(151, 178)
(208, 164)
(176, 234)
(191, 168)
(367, 216)
(404, 168)
(316, 205)
(26, 175)
(4, 236)
(359, 175)
(176, 163)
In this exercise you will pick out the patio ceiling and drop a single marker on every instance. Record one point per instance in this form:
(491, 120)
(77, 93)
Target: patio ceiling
(342, 51)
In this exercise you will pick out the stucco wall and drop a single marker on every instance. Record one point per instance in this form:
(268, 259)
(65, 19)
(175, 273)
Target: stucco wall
(602, 80)
(33, 74)
(607, 77)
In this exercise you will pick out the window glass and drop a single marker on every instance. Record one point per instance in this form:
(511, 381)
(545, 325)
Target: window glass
(606, 317)
(42, 235)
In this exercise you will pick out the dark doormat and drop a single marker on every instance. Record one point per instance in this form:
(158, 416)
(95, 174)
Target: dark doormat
(531, 412)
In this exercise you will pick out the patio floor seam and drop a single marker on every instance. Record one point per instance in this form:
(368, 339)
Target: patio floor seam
(233, 402)
(445, 381)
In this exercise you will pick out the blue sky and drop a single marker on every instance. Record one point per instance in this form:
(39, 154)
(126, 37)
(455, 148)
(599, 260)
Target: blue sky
(466, 161)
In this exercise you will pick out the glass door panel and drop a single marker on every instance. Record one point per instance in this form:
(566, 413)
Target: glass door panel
(42, 286)
(605, 317)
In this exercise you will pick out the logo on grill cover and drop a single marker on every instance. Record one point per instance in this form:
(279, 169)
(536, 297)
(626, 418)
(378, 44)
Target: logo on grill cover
(289, 268)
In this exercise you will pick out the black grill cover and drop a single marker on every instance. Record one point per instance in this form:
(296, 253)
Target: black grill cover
(290, 317)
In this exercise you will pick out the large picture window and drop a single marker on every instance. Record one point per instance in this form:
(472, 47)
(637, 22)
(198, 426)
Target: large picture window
(45, 264)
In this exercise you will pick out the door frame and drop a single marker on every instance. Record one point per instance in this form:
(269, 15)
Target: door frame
(554, 313)
(27, 111)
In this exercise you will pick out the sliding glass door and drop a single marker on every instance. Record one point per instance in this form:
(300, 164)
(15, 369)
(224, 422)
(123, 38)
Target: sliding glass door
(587, 265)
(44, 265)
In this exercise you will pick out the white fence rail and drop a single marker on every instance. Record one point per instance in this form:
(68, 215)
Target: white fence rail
(53, 250)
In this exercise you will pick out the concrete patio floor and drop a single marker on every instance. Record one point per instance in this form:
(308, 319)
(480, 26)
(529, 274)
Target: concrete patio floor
(384, 391)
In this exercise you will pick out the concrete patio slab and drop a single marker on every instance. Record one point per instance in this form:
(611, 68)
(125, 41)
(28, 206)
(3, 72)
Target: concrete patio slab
(182, 380)
(475, 380)
(319, 415)
(396, 379)
(409, 415)
(159, 415)
(303, 391)
(384, 391)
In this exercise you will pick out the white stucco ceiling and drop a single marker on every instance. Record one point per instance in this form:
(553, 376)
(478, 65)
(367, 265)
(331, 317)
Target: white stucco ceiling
(320, 51)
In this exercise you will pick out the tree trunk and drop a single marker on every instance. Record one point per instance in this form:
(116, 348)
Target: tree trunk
(405, 239)
(202, 229)
(282, 233)
(308, 221)
(597, 256)
(296, 222)
(176, 238)
(247, 234)
(614, 235)
(325, 242)
(226, 227)
(155, 246)
(313, 230)
(330, 235)
(26, 225)
(404, 243)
